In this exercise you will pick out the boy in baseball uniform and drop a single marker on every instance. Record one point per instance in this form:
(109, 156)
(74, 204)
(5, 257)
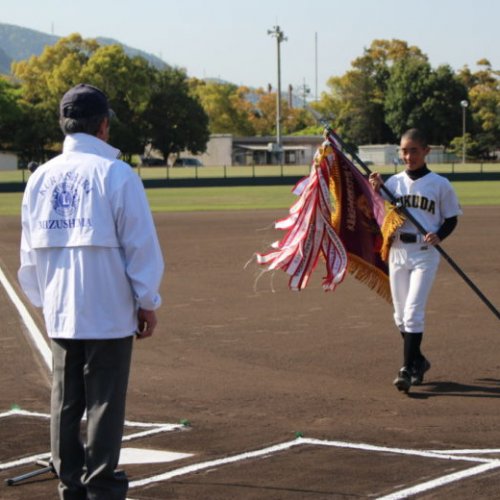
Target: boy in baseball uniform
(413, 260)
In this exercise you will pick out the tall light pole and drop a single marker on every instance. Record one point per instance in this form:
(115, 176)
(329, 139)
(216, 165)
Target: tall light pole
(280, 37)
(464, 105)
(316, 66)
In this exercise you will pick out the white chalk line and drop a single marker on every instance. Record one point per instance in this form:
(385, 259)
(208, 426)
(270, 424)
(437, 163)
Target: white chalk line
(151, 429)
(23, 413)
(400, 451)
(24, 461)
(441, 481)
(151, 432)
(128, 423)
(33, 329)
(485, 464)
(214, 463)
(477, 451)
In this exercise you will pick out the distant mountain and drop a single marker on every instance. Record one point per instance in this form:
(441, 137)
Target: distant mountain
(5, 61)
(18, 43)
(130, 51)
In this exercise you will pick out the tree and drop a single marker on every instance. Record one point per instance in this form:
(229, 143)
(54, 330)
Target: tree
(442, 105)
(355, 102)
(418, 96)
(21, 124)
(484, 96)
(352, 108)
(241, 111)
(126, 82)
(225, 105)
(10, 113)
(149, 103)
(45, 78)
(175, 119)
(73, 60)
(457, 144)
(263, 115)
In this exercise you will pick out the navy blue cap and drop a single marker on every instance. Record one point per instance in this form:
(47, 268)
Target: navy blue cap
(83, 101)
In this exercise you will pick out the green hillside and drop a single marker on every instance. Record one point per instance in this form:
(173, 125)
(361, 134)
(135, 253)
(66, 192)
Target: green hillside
(18, 43)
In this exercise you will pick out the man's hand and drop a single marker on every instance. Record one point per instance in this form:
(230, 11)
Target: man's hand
(146, 323)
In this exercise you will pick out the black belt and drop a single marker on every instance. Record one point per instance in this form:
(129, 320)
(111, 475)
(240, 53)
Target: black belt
(410, 237)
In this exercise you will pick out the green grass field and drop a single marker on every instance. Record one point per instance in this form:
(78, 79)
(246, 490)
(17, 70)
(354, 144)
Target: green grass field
(254, 197)
(260, 171)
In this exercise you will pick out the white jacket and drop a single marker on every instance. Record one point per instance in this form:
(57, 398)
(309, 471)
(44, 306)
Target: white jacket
(89, 251)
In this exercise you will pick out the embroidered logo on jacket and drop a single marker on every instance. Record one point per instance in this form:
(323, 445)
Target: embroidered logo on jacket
(65, 198)
(65, 192)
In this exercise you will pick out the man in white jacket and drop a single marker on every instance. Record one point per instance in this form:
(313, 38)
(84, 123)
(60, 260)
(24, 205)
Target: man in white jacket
(90, 258)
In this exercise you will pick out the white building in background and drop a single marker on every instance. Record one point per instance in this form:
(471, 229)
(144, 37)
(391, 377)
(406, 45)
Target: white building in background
(388, 154)
(8, 160)
(226, 149)
(219, 151)
(378, 154)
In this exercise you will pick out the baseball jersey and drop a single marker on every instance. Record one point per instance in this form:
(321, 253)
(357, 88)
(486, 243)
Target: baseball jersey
(430, 199)
(89, 251)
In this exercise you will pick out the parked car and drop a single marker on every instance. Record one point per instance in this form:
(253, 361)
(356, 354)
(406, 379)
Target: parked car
(187, 162)
(152, 162)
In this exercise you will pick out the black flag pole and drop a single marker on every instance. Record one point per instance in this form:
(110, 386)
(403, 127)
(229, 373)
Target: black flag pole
(334, 137)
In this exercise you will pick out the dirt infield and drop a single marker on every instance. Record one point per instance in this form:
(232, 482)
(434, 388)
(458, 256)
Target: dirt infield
(288, 395)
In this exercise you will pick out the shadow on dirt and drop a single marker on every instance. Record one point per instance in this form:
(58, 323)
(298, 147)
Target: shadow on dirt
(489, 388)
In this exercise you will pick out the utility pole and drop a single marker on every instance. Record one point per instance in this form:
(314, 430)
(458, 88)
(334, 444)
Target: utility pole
(316, 66)
(305, 92)
(280, 37)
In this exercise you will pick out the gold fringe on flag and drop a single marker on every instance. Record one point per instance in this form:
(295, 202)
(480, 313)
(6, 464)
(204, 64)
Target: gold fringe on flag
(393, 220)
(370, 275)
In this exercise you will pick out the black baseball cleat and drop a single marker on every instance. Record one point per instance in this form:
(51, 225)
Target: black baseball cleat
(403, 380)
(419, 368)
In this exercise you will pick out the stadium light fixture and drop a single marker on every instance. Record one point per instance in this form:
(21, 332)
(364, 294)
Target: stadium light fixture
(464, 105)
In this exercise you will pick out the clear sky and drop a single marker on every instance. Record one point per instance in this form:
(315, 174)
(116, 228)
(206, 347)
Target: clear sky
(228, 39)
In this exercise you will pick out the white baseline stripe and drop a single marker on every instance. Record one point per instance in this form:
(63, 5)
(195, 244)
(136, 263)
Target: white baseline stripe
(214, 463)
(486, 464)
(477, 451)
(154, 427)
(33, 330)
(151, 429)
(24, 413)
(151, 432)
(400, 451)
(441, 481)
(24, 461)
(148, 425)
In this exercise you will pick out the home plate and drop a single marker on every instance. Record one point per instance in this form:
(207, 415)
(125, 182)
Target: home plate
(130, 456)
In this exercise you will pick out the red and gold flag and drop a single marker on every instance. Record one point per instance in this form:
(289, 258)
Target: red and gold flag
(357, 217)
(337, 217)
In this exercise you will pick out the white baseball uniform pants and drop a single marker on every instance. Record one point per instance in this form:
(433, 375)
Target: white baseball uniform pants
(412, 269)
